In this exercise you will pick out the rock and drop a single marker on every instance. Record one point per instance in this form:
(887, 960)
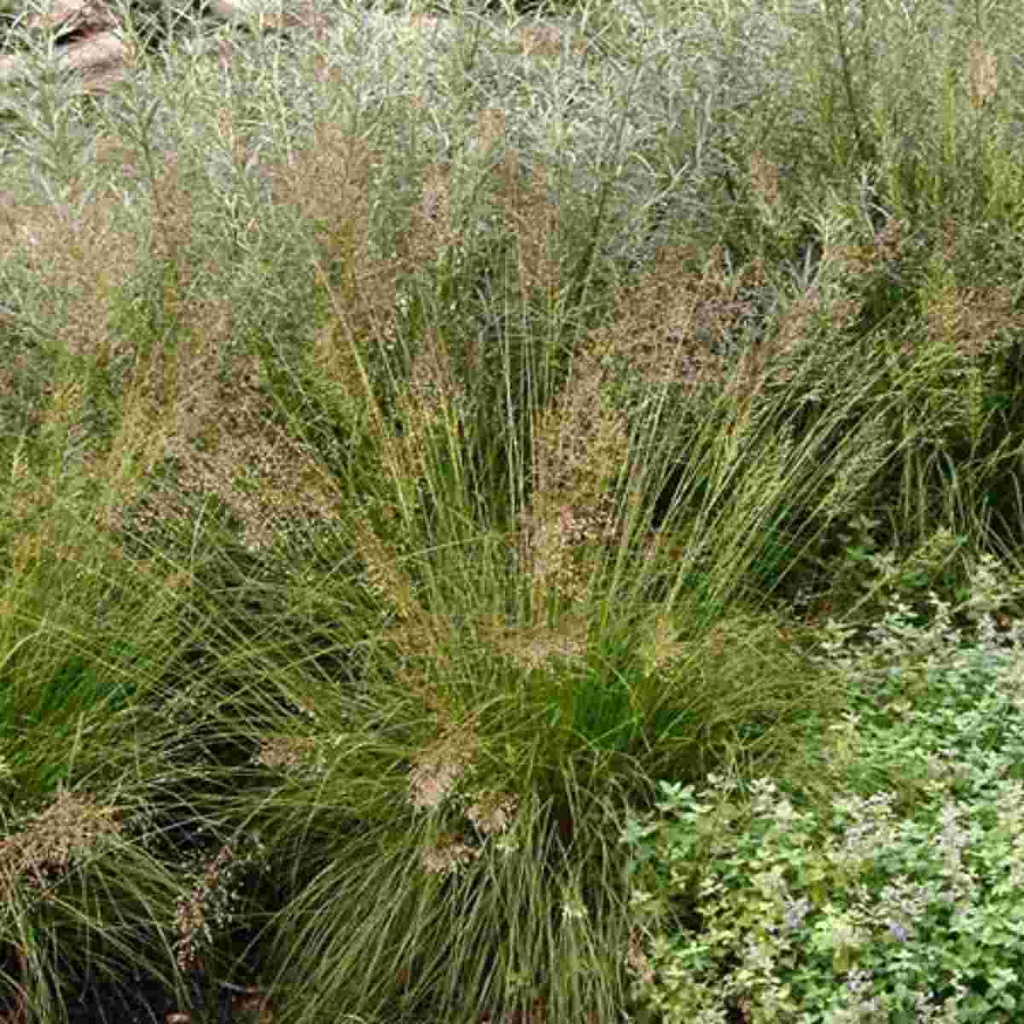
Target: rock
(99, 58)
(87, 41)
(74, 18)
(90, 42)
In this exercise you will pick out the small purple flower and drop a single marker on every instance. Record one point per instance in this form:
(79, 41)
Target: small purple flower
(857, 981)
(796, 912)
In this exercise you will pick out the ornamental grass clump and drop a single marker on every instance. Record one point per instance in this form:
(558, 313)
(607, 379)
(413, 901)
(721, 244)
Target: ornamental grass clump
(901, 901)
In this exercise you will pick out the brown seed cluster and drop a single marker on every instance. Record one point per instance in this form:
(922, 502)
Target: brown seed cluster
(438, 768)
(41, 852)
(208, 903)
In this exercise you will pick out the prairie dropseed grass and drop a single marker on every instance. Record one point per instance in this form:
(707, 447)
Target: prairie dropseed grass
(515, 518)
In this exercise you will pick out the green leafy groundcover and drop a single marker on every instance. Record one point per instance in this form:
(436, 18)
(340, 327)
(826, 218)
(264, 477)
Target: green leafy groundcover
(866, 912)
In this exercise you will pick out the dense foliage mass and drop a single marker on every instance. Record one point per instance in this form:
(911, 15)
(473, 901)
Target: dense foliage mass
(514, 517)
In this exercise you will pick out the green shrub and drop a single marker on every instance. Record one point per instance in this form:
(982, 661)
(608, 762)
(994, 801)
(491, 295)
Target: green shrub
(902, 904)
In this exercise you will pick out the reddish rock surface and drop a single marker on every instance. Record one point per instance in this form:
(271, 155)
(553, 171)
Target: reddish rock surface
(89, 41)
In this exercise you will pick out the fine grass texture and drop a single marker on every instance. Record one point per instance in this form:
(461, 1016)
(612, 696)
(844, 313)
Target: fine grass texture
(491, 500)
